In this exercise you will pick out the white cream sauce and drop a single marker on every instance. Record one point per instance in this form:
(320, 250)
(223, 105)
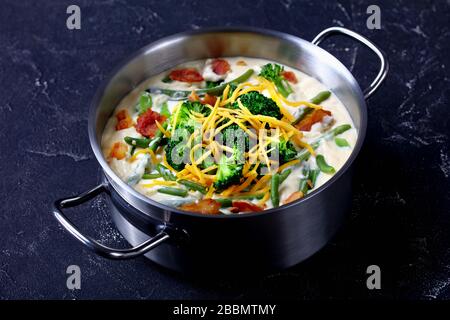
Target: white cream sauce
(306, 88)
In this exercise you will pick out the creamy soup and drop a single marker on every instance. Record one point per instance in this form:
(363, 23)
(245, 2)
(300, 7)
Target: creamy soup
(228, 136)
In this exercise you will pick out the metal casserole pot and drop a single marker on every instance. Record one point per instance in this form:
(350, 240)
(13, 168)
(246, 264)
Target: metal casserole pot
(273, 239)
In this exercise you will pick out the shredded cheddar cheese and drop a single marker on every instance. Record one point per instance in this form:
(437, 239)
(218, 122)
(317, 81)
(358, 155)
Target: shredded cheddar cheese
(144, 151)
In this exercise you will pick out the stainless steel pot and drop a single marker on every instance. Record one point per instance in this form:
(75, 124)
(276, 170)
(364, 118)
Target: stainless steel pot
(273, 239)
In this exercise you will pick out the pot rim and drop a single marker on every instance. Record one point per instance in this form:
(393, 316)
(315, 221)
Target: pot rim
(96, 148)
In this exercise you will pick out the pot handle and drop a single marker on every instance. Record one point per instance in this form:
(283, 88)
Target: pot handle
(92, 244)
(384, 66)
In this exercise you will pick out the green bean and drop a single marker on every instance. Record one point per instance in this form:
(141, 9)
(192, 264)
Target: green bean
(193, 185)
(249, 196)
(309, 180)
(173, 191)
(303, 185)
(305, 112)
(165, 110)
(145, 102)
(166, 79)
(151, 176)
(182, 94)
(219, 89)
(341, 142)
(323, 165)
(340, 129)
(213, 84)
(274, 193)
(228, 201)
(165, 173)
(146, 142)
(320, 97)
(224, 203)
(132, 150)
(156, 141)
(304, 154)
(154, 144)
(284, 175)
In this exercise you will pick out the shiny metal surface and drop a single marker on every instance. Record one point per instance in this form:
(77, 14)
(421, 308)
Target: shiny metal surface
(273, 239)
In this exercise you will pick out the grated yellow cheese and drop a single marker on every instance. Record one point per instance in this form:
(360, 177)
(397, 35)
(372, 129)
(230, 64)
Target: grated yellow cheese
(168, 166)
(203, 137)
(175, 117)
(246, 183)
(253, 171)
(288, 164)
(210, 192)
(144, 151)
(286, 101)
(264, 199)
(228, 191)
(260, 183)
(226, 91)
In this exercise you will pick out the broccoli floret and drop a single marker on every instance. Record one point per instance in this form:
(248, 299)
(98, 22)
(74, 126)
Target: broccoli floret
(274, 72)
(208, 162)
(286, 151)
(234, 136)
(233, 87)
(184, 120)
(196, 106)
(257, 103)
(229, 170)
(212, 84)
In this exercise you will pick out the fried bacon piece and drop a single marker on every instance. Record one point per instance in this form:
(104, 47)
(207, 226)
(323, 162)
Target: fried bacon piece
(209, 99)
(293, 196)
(316, 116)
(118, 150)
(124, 120)
(290, 76)
(244, 206)
(193, 96)
(220, 66)
(146, 123)
(186, 75)
(234, 209)
(204, 206)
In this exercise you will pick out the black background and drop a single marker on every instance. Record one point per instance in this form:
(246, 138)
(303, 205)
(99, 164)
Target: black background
(48, 74)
